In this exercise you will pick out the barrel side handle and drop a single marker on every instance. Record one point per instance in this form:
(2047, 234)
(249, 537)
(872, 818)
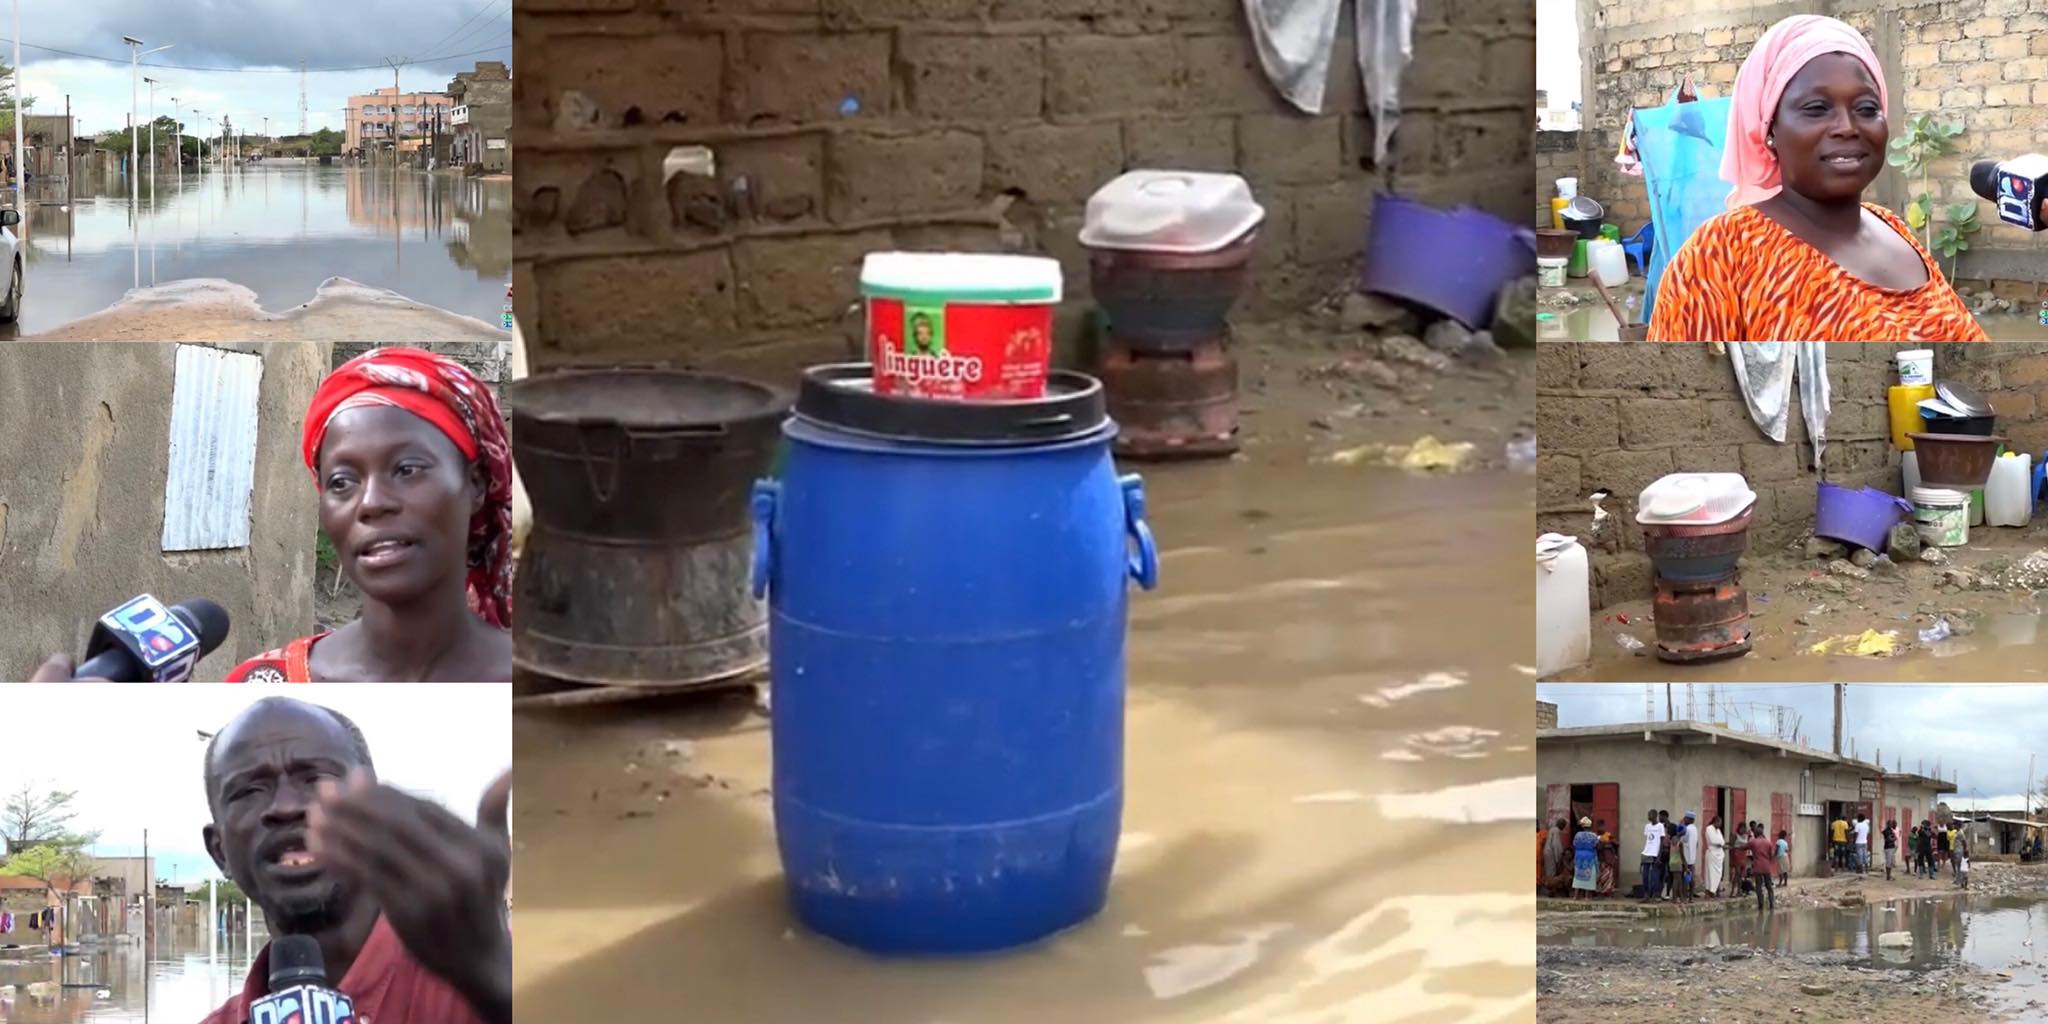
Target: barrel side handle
(1144, 563)
(767, 497)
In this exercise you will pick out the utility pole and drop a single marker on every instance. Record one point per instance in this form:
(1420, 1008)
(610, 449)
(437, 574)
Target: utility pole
(20, 197)
(153, 83)
(178, 144)
(397, 127)
(135, 55)
(1841, 695)
(1667, 702)
(149, 904)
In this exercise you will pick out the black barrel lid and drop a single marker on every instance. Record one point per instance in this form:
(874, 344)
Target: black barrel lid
(842, 396)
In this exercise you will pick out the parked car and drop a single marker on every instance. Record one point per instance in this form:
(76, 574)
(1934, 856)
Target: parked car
(10, 252)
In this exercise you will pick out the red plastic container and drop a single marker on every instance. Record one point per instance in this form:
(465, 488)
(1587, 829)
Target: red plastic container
(965, 326)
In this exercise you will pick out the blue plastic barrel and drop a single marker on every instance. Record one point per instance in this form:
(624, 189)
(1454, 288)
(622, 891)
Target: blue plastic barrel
(947, 592)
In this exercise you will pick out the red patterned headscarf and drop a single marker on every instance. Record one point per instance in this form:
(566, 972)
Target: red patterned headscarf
(446, 394)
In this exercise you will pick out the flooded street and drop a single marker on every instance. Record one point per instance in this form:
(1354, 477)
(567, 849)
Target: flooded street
(182, 985)
(278, 229)
(2006, 937)
(1328, 757)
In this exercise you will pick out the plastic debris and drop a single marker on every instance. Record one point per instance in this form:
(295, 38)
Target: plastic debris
(1936, 633)
(1628, 643)
(1522, 453)
(1427, 454)
(1868, 644)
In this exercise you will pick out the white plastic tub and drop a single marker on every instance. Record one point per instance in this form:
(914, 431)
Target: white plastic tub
(1550, 271)
(1916, 366)
(1564, 606)
(1942, 516)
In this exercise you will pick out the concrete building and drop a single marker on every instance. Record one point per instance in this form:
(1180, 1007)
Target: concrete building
(387, 116)
(482, 117)
(1619, 773)
(84, 510)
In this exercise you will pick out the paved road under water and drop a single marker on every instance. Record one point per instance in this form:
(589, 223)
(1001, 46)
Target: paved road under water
(1327, 764)
(178, 986)
(277, 228)
(2000, 934)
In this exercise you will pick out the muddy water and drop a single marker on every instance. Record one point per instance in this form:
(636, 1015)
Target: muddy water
(2007, 934)
(178, 985)
(2005, 647)
(279, 229)
(1328, 764)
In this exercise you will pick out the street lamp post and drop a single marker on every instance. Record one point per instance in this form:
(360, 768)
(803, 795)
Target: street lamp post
(178, 141)
(21, 165)
(135, 55)
(201, 140)
(152, 83)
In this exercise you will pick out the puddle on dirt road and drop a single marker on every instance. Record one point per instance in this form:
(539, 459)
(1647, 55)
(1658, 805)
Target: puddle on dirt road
(279, 229)
(2005, 647)
(179, 985)
(1326, 764)
(1998, 934)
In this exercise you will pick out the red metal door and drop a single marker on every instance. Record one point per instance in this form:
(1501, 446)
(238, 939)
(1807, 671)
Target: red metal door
(1781, 813)
(1607, 805)
(1738, 805)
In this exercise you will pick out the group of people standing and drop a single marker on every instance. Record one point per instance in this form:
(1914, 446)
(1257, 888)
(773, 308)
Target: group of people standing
(1929, 847)
(1681, 860)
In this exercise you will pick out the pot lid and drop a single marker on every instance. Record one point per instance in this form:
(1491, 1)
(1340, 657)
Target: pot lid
(1584, 208)
(1963, 398)
(842, 396)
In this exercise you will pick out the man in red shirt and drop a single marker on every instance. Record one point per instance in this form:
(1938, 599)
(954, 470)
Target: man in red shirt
(406, 900)
(1763, 867)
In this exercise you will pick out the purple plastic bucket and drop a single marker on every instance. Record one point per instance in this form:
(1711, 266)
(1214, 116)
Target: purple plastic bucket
(1453, 262)
(1862, 517)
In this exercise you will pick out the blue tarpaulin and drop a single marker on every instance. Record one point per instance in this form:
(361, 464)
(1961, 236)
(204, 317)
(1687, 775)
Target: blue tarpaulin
(1680, 147)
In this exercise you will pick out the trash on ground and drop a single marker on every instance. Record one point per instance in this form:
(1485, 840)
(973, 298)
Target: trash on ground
(1936, 633)
(1427, 454)
(1628, 643)
(1868, 644)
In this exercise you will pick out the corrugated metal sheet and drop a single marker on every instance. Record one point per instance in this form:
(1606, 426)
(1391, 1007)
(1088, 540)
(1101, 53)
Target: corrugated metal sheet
(213, 449)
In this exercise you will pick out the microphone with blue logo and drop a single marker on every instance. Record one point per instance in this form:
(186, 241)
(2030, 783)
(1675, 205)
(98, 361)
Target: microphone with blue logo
(298, 987)
(145, 642)
(2018, 187)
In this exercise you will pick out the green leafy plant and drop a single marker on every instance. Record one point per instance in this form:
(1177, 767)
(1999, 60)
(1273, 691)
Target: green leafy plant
(1954, 237)
(1914, 151)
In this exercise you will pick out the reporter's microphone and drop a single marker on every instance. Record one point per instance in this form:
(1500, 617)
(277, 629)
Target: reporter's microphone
(144, 642)
(298, 987)
(2019, 188)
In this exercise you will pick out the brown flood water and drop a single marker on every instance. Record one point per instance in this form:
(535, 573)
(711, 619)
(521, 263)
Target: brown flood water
(1329, 756)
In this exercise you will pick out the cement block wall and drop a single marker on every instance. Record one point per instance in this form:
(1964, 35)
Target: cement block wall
(1670, 777)
(1983, 63)
(977, 125)
(81, 508)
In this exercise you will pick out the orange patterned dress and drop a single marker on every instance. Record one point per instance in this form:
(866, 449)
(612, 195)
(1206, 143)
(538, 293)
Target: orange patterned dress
(1744, 277)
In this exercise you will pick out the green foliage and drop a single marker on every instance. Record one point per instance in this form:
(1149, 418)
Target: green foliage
(1914, 151)
(57, 864)
(324, 553)
(229, 893)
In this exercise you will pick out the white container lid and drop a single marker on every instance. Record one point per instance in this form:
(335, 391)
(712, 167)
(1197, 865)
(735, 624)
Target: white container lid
(1186, 212)
(1694, 499)
(1553, 261)
(1916, 353)
(939, 277)
(1551, 546)
(1939, 496)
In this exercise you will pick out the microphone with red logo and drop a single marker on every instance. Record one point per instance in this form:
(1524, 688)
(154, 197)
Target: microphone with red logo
(298, 987)
(145, 642)
(2018, 187)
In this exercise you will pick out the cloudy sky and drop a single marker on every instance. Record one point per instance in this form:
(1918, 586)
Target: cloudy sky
(441, 37)
(1983, 731)
(134, 755)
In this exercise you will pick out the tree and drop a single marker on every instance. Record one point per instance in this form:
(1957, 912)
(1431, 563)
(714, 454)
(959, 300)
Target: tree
(229, 894)
(7, 101)
(32, 817)
(58, 864)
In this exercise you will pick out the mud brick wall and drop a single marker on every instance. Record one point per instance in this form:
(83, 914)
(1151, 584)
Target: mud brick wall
(1983, 63)
(977, 125)
(1620, 416)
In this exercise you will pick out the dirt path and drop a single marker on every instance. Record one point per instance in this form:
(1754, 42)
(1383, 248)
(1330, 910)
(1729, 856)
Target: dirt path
(1578, 985)
(215, 310)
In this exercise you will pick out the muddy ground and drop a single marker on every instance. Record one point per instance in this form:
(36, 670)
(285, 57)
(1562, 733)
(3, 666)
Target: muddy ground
(1987, 878)
(214, 310)
(1990, 594)
(1579, 985)
(1315, 692)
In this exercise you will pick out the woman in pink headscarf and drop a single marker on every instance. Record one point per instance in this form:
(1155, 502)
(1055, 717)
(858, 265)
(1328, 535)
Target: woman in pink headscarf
(1799, 256)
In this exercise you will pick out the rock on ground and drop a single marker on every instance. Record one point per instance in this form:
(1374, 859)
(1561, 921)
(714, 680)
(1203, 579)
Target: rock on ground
(1904, 542)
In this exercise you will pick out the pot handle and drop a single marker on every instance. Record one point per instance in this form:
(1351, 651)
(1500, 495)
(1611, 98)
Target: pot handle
(1144, 563)
(767, 495)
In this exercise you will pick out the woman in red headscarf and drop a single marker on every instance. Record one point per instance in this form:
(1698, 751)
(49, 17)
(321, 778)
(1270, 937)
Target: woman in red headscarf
(411, 461)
